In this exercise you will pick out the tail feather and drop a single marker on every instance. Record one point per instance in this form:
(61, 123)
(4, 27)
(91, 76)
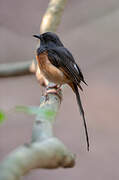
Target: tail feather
(75, 88)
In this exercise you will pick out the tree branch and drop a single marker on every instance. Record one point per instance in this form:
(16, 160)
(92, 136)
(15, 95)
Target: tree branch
(16, 69)
(44, 150)
(52, 17)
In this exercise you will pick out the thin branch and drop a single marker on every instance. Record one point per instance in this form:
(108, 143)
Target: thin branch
(16, 69)
(52, 17)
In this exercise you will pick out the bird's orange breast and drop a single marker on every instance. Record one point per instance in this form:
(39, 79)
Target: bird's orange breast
(51, 73)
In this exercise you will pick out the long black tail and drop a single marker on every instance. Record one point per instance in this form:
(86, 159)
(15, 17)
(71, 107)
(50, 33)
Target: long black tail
(82, 112)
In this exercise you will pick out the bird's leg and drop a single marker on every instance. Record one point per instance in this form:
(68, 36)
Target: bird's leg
(54, 86)
(55, 89)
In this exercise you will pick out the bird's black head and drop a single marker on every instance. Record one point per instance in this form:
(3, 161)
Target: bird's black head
(49, 38)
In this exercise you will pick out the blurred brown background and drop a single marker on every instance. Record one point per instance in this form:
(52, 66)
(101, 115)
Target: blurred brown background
(90, 30)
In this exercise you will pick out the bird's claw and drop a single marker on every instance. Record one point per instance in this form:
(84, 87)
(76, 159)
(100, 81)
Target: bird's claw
(53, 90)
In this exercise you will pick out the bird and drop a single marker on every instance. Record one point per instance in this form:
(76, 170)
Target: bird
(58, 65)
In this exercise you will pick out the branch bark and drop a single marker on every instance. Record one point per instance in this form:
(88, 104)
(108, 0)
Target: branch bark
(52, 17)
(44, 150)
(16, 69)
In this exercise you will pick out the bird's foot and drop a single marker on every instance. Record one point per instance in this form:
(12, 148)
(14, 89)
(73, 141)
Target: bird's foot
(56, 90)
(56, 86)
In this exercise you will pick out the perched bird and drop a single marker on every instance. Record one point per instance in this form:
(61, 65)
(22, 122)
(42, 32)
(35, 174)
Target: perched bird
(57, 65)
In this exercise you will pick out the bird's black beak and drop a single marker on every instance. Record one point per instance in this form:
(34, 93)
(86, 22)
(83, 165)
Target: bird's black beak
(37, 36)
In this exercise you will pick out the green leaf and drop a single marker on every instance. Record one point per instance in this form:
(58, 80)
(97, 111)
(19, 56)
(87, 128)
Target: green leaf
(27, 109)
(39, 112)
(2, 116)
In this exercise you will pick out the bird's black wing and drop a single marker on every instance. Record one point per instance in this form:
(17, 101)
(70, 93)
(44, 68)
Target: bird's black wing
(62, 58)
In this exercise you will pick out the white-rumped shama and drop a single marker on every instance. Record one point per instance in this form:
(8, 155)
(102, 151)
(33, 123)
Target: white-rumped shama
(57, 65)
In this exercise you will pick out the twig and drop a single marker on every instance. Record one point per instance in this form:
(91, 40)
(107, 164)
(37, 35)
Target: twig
(16, 69)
